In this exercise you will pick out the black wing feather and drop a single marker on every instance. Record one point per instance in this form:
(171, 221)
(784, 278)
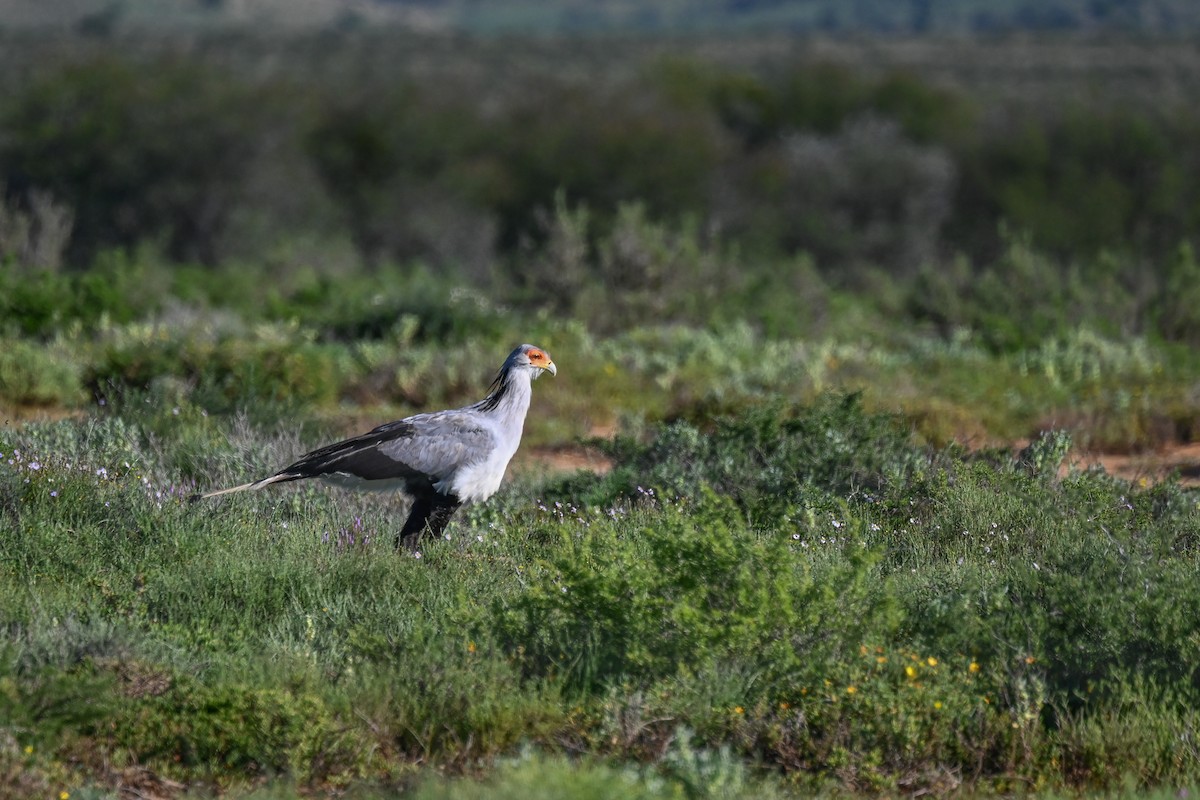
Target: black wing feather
(359, 456)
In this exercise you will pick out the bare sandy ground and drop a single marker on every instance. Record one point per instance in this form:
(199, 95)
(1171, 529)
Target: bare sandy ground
(1148, 467)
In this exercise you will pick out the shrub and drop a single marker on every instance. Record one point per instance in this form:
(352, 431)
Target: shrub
(35, 237)
(1081, 178)
(404, 166)
(1026, 296)
(118, 289)
(138, 154)
(821, 97)
(655, 272)
(455, 700)
(865, 195)
(1176, 311)
(390, 305)
(887, 716)
(38, 375)
(619, 275)
(689, 773)
(639, 146)
(277, 365)
(189, 727)
(682, 590)
(556, 266)
(770, 460)
(35, 303)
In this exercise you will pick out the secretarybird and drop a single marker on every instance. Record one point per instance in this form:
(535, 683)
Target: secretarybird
(441, 459)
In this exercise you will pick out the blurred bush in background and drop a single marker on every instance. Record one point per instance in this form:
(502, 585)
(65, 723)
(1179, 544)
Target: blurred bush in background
(666, 179)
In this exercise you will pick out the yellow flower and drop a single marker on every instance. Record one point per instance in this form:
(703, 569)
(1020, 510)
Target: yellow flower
(974, 667)
(880, 659)
(910, 671)
(937, 704)
(28, 749)
(470, 647)
(739, 710)
(851, 689)
(784, 706)
(931, 661)
(63, 795)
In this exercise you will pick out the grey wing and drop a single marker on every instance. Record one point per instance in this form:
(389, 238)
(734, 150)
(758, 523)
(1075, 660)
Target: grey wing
(422, 449)
(440, 444)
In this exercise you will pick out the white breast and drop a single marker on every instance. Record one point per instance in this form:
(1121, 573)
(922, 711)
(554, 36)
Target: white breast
(476, 482)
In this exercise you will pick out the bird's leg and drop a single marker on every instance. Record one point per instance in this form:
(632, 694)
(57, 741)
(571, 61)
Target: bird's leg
(443, 509)
(421, 508)
(430, 512)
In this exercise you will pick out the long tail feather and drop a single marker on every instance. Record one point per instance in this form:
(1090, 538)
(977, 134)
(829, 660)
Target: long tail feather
(244, 487)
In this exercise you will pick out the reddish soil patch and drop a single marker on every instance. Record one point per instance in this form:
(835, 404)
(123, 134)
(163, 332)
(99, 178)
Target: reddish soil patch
(1148, 467)
(562, 459)
(570, 458)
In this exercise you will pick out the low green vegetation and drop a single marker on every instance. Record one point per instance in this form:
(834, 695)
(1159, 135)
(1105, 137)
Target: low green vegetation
(841, 342)
(819, 560)
(1001, 362)
(799, 598)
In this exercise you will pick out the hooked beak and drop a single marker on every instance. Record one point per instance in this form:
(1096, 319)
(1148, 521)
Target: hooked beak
(553, 370)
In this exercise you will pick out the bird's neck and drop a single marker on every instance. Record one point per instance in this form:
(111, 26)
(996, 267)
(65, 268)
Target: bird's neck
(509, 395)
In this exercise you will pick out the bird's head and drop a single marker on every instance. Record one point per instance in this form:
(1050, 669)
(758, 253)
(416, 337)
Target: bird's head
(532, 358)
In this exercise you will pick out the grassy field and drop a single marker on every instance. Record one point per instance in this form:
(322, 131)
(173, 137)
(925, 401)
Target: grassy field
(842, 329)
(791, 580)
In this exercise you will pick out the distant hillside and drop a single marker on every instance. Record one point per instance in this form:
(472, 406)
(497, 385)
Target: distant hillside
(675, 17)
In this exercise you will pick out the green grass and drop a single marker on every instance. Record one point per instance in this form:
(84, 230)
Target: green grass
(795, 579)
(815, 603)
(821, 562)
(1111, 394)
